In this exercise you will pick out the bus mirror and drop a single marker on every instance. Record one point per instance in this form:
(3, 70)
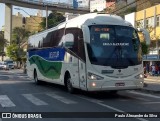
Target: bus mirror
(146, 35)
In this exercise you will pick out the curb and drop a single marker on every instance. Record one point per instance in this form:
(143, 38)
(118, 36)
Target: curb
(148, 90)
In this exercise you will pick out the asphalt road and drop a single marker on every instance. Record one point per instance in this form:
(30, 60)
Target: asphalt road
(19, 94)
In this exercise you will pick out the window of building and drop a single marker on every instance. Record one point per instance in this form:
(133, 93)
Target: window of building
(150, 22)
(158, 20)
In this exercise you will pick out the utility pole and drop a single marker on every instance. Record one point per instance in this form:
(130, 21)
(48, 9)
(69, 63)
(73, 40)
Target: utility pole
(46, 17)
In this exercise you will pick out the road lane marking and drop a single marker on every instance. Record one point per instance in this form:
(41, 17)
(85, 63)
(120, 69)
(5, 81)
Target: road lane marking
(118, 110)
(34, 99)
(60, 98)
(143, 94)
(151, 102)
(112, 108)
(6, 102)
(140, 98)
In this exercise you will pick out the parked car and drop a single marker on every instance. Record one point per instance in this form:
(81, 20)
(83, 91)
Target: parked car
(1, 65)
(5, 66)
(10, 64)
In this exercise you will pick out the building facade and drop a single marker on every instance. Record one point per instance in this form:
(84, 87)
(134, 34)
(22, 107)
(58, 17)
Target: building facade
(32, 23)
(143, 4)
(118, 6)
(110, 5)
(17, 20)
(97, 5)
(83, 3)
(149, 19)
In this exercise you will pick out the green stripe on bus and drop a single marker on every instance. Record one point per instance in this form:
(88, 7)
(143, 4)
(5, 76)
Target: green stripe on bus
(48, 69)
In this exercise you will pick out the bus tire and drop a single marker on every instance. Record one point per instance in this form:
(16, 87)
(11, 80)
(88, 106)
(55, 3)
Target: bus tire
(69, 86)
(37, 82)
(113, 92)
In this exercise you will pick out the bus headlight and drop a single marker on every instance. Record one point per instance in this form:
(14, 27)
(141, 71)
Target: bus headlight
(92, 76)
(139, 76)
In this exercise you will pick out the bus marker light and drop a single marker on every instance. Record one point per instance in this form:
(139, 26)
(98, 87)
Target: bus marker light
(93, 84)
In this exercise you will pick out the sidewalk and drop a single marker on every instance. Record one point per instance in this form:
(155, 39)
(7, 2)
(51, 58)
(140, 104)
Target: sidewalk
(152, 84)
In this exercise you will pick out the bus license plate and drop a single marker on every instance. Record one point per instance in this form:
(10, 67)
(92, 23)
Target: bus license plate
(119, 84)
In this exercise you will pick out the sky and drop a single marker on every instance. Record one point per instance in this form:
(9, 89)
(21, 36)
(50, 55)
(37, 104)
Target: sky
(29, 11)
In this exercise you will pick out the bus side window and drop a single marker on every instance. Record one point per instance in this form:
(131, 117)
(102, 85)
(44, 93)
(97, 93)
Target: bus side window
(70, 39)
(81, 49)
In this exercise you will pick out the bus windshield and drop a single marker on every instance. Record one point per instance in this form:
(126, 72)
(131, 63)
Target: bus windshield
(115, 46)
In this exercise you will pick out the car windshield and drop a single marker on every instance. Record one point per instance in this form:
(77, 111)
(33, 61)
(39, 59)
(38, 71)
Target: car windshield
(115, 46)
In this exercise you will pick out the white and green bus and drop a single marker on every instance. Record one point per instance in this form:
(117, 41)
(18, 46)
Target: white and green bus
(92, 52)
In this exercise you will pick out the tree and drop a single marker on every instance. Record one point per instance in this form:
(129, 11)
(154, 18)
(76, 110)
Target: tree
(95, 11)
(12, 52)
(54, 18)
(145, 48)
(126, 11)
(3, 43)
(20, 35)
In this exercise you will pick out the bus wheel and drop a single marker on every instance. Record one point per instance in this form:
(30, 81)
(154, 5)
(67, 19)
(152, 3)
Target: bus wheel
(113, 92)
(69, 86)
(36, 78)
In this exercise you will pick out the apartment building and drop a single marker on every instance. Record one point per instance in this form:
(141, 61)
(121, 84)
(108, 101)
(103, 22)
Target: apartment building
(17, 20)
(30, 23)
(83, 3)
(149, 18)
(97, 5)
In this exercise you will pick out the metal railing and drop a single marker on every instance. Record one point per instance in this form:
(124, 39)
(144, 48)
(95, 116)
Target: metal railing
(52, 3)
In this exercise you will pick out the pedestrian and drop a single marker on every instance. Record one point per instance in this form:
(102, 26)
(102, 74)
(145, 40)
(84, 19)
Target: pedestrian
(153, 70)
(157, 69)
(147, 68)
(144, 70)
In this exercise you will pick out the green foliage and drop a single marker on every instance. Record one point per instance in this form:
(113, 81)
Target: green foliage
(127, 11)
(3, 43)
(12, 51)
(145, 48)
(95, 11)
(16, 53)
(20, 35)
(54, 18)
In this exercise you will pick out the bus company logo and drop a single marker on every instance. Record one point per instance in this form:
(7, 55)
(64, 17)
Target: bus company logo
(53, 54)
(115, 44)
(119, 71)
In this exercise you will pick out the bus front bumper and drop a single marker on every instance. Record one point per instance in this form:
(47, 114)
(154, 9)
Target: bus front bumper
(115, 85)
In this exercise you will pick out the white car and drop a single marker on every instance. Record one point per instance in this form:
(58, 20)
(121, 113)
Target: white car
(1, 65)
(9, 64)
(4, 66)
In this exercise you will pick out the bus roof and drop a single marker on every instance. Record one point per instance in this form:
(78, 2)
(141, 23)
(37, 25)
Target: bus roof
(97, 18)
(89, 19)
